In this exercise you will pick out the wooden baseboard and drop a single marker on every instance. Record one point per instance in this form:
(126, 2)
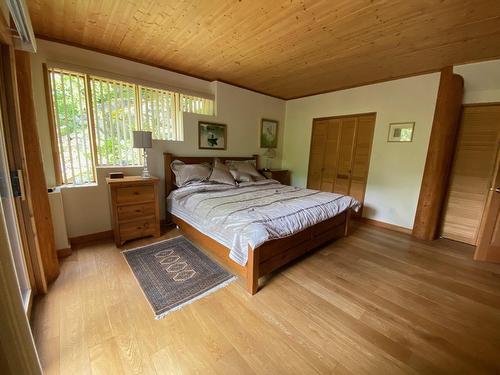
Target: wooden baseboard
(381, 224)
(89, 238)
(63, 253)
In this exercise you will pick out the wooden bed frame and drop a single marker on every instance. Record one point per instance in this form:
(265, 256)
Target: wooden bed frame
(272, 254)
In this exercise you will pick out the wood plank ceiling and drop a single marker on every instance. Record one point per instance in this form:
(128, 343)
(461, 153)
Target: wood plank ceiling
(286, 48)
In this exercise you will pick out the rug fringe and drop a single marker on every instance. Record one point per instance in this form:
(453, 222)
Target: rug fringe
(152, 243)
(210, 291)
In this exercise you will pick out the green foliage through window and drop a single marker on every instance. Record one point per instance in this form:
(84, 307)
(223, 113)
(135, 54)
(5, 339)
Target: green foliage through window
(94, 118)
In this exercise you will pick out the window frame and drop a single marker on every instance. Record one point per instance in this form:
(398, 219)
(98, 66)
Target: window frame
(138, 84)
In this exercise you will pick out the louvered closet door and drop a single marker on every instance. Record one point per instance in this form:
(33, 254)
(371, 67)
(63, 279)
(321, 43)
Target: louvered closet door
(330, 155)
(317, 154)
(472, 171)
(346, 149)
(361, 159)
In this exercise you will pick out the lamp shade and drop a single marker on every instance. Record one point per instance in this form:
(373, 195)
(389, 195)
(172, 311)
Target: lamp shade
(142, 139)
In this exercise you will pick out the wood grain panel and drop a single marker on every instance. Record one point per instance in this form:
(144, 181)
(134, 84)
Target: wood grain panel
(488, 244)
(361, 158)
(317, 154)
(346, 150)
(34, 169)
(259, 45)
(340, 154)
(471, 174)
(330, 155)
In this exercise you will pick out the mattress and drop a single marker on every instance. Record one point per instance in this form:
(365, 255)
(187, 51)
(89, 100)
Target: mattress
(253, 212)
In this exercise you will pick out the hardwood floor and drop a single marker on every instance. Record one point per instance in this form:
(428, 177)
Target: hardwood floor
(376, 302)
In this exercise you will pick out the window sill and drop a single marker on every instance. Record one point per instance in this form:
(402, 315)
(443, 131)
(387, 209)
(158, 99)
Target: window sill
(72, 186)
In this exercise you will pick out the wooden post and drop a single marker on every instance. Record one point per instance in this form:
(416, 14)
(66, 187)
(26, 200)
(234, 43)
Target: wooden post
(439, 156)
(34, 168)
(253, 270)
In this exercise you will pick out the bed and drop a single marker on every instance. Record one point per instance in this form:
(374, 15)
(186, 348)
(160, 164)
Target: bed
(257, 227)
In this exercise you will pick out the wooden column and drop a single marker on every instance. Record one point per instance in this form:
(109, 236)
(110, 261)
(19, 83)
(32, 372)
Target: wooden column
(35, 177)
(439, 155)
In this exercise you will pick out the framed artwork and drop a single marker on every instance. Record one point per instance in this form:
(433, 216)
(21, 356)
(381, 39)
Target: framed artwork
(268, 133)
(212, 136)
(400, 132)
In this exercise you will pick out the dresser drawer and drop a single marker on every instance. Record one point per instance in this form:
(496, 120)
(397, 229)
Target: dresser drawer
(138, 228)
(133, 194)
(135, 211)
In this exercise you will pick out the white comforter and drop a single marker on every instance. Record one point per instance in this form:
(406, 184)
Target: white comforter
(254, 212)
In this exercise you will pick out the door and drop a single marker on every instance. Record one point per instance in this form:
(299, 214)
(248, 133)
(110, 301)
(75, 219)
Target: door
(316, 155)
(13, 232)
(361, 158)
(340, 154)
(488, 248)
(346, 149)
(330, 155)
(471, 173)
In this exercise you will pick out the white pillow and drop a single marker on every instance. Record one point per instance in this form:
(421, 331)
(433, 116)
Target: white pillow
(241, 176)
(187, 173)
(220, 173)
(248, 168)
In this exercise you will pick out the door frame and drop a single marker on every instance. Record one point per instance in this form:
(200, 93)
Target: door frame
(481, 252)
(15, 151)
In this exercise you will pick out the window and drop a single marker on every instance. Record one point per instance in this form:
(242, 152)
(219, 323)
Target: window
(194, 104)
(158, 113)
(72, 126)
(114, 110)
(93, 120)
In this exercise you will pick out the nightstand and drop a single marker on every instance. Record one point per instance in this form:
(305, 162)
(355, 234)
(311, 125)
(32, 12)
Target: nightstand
(134, 207)
(281, 175)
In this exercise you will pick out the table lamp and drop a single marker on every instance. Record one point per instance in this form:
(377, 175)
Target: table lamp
(143, 139)
(269, 154)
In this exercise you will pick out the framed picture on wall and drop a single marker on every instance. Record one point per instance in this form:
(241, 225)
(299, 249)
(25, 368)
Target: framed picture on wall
(268, 133)
(400, 132)
(212, 136)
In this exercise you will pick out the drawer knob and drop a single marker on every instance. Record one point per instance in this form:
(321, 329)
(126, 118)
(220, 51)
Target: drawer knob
(136, 193)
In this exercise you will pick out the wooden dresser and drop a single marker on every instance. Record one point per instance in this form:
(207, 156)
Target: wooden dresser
(134, 207)
(280, 175)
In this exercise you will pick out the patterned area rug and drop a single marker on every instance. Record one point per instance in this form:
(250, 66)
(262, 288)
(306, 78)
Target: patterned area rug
(174, 273)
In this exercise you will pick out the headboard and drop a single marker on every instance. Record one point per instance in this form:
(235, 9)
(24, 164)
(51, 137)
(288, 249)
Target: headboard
(169, 158)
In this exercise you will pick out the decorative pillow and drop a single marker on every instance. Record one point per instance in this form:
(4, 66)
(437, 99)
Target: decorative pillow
(187, 173)
(241, 176)
(220, 173)
(231, 163)
(248, 168)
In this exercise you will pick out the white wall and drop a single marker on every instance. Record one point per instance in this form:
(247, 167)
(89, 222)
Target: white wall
(481, 81)
(396, 169)
(87, 208)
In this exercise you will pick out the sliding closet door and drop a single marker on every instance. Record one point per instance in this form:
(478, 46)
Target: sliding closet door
(472, 171)
(340, 154)
(317, 154)
(330, 155)
(361, 159)
(346, 150)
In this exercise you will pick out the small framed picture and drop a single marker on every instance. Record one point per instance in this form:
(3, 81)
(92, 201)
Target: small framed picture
(400, 132)
(268, 133)
(212, 136)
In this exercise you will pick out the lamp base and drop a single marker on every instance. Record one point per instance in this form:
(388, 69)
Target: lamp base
(145, 170)
(145, 173)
